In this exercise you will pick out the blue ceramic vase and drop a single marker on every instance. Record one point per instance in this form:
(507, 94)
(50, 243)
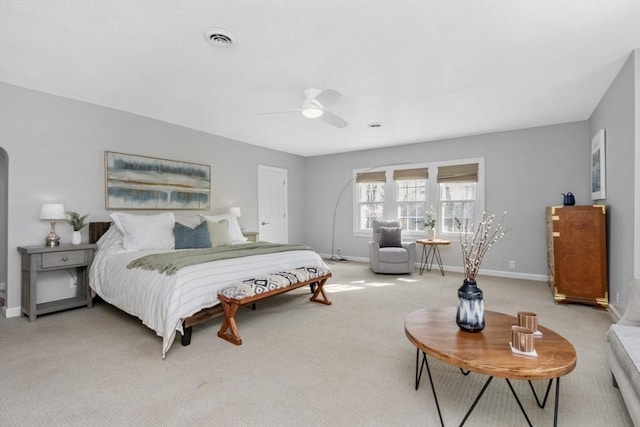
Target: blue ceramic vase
(470, 314)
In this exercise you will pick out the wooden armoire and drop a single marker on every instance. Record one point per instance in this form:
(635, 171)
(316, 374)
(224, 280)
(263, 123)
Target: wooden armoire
(577, 254)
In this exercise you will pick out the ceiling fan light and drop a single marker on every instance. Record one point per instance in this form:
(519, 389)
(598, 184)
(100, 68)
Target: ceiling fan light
(312, 112)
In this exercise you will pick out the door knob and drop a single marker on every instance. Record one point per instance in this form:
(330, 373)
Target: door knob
(264, 223)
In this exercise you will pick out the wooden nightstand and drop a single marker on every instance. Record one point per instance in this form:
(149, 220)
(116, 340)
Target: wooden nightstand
(252, 236)
(37, 259)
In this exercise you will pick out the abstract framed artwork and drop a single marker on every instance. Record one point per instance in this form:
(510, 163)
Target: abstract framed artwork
(141, 182)
(598, 167)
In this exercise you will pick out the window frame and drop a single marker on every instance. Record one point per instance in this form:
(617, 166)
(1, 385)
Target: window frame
(369, 203)
(432, 196)
(442, 202)
(397, 204)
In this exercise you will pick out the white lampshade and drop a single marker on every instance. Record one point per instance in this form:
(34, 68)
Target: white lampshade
(52, 211)
(235, 211)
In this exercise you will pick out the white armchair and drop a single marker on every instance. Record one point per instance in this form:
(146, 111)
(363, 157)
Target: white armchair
(388, 254)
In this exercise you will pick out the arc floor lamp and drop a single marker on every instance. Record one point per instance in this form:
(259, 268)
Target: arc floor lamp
(335, 209)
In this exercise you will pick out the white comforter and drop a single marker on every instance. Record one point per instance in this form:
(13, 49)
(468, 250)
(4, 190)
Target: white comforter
(162, 301)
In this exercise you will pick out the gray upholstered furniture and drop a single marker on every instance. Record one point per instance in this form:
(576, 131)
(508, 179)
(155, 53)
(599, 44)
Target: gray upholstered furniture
(624, 353)
(388, 254)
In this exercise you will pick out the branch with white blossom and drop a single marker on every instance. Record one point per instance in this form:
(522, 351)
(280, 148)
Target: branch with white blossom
(483, 238)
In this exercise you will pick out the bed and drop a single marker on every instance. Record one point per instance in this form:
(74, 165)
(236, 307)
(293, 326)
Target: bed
(173, 303)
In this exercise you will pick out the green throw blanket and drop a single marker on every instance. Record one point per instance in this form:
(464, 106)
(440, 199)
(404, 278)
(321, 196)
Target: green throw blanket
(170, 262)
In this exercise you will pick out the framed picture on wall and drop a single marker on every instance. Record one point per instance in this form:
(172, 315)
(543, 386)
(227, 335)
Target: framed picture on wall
(598, 167)
(140, 182)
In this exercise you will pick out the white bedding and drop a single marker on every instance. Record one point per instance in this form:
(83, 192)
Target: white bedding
(162, 301)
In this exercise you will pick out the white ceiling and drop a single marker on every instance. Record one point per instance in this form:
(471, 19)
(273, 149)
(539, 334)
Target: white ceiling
(426, 70)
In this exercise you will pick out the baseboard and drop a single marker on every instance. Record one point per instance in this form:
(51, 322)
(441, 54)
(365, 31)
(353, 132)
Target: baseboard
(456, 269)
(514, 275)
(11, 312)
(614, 313)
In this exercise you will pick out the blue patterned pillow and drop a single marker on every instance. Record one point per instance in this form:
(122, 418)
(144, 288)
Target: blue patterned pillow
(191, 238)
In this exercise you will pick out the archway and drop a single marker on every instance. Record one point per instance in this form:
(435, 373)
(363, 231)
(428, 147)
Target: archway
(4, 220)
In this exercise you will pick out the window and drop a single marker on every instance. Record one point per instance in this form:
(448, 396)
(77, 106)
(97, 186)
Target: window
(455, 192)
(410, 197)
(457, 200)
(457, 196)
(370, 197)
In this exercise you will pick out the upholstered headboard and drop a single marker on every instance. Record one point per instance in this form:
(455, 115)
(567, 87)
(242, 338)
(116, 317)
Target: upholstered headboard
(97, 229)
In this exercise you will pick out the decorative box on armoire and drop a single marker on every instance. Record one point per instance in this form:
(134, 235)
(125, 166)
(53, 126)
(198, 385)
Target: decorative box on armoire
(577, 254)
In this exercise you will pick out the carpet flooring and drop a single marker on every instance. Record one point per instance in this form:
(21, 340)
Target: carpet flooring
(301, 363)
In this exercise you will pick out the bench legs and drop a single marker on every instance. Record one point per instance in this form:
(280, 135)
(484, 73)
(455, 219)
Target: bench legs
(319, 290)
(229, 328)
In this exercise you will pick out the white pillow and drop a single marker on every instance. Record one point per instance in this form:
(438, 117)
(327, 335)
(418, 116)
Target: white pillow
(219, 233)
(145, 231)
(235, 232)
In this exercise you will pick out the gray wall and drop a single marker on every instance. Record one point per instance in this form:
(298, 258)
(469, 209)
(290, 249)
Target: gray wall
(525, 171)
(56, 153)
(55, 148)
(616, 114)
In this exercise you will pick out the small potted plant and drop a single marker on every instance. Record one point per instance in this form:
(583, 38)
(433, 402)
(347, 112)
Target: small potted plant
(77, 222)
(430, 223)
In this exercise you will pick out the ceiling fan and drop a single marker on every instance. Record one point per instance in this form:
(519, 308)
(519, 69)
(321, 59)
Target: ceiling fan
(314, 106)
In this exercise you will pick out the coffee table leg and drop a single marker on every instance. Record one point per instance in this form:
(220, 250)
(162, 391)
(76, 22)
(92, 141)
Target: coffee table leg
(546, 395)
(475, 402)
(518, 400)
(555, 410)
(419, 374)
(433, 389)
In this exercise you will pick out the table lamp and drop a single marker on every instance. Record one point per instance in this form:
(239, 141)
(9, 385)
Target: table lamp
(52, 212)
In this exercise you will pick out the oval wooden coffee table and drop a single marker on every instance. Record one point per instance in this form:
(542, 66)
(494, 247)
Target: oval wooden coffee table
(434, 332)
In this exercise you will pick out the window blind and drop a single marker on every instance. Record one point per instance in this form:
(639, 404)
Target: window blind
(407, 174)
(458, 173)
(371, 177)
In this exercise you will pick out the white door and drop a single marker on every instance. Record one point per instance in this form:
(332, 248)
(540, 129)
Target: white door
(272, 204)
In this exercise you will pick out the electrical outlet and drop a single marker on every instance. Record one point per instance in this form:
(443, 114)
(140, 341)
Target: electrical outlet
(512, 264)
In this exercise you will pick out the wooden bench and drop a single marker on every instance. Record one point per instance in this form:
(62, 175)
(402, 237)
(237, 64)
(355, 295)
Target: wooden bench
(256, 289)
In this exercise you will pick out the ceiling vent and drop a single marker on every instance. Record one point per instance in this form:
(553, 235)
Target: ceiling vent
(219, 37)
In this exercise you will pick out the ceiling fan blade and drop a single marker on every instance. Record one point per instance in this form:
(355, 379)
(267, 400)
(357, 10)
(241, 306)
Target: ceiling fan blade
(332, 119)
(280, 112)
(327, 97)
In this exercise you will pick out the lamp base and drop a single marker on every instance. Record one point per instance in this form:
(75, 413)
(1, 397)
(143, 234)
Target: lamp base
(52, 240)
(337, 258)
